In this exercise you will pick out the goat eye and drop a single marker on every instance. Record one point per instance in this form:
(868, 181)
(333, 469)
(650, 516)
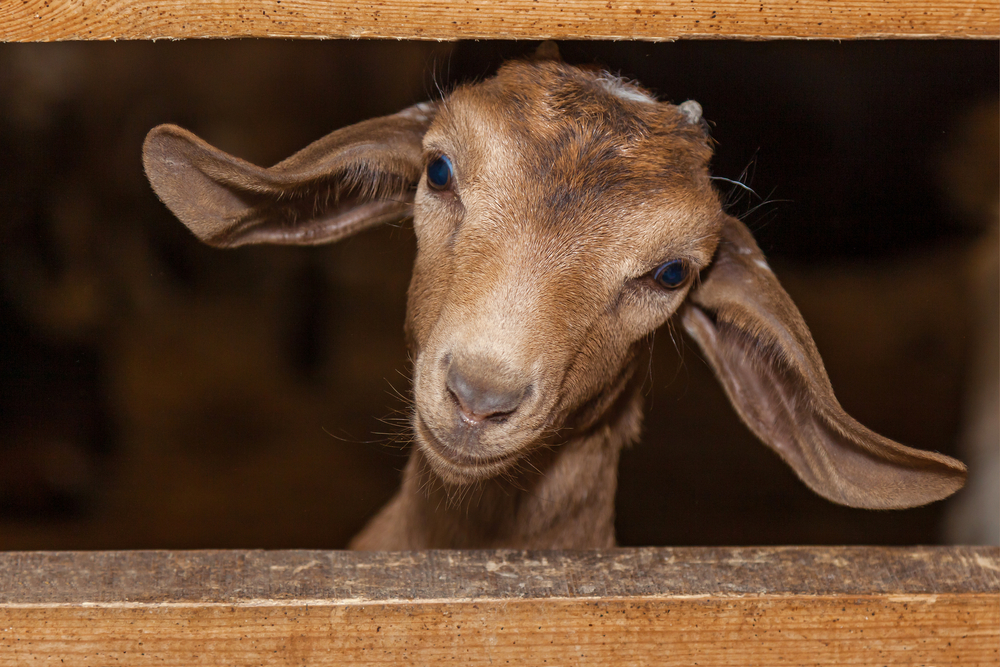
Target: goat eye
(672, 274)
(439, 173)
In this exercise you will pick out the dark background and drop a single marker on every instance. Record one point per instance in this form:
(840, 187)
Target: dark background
(157, 393)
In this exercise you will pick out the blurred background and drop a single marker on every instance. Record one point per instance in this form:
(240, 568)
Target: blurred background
(157, 393)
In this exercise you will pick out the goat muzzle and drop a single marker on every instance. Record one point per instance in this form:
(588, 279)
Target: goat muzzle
(481, 395)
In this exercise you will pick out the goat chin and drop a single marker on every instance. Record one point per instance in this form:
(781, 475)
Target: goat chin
(453, 465)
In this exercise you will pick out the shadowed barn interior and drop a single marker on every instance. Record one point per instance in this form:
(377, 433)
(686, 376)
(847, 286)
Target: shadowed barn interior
(157, 393)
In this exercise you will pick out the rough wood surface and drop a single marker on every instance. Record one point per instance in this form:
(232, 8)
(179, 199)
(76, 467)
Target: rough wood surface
(741, 606)
(48, 20)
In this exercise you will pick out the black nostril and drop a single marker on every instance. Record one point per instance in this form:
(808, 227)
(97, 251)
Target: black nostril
(481, 395)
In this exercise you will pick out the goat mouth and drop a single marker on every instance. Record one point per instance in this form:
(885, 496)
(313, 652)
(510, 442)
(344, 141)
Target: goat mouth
(458, 466)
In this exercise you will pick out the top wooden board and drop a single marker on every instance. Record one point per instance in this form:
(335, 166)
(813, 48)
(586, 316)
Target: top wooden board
(662, 20)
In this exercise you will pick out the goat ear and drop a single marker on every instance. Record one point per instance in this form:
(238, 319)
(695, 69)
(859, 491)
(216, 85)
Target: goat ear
(356, 177)
(763, 354)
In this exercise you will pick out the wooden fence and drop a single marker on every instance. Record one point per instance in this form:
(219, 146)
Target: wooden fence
(655, 606)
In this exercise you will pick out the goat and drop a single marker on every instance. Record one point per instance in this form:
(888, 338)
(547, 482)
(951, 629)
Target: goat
(562, 215)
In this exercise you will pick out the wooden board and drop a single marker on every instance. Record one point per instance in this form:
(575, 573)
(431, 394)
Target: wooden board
(48, 20)
(737, 606)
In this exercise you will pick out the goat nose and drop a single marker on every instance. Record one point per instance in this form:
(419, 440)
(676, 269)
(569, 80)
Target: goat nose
(481, 396)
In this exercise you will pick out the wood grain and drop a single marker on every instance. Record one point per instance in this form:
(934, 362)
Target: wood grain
(50, 20)
(818, 606)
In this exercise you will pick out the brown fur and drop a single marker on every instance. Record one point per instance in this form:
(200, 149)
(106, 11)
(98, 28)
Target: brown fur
(532, 293)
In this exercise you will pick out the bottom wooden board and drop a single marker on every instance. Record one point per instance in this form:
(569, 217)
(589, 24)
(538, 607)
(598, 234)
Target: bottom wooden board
(654, 606)
(752, 630)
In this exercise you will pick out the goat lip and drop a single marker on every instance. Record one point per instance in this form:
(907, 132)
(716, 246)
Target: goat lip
(460, 463)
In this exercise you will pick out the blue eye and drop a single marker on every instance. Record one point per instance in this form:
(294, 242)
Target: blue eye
(672, 274)
(439, 173)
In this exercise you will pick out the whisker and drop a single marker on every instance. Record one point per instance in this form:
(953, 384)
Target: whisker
(736, 183)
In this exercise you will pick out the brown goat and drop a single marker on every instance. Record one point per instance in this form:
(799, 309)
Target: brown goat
(561, 216)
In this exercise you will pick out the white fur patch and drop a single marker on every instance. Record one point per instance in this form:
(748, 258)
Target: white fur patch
(692, 111)
(419, 112)
(762, 264)
(623, 89)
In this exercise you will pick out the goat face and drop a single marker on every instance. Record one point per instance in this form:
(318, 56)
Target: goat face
(540, 222)
(561, 216)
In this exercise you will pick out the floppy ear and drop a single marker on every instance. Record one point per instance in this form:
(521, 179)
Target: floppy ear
(763, 354)
(356, 177)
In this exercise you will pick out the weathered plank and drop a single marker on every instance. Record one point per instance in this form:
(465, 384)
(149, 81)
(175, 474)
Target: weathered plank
(48, 20)
(739, 606)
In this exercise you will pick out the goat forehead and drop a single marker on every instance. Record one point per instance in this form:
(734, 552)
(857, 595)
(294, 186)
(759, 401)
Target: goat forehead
(568, 138)
(542, 93)
(565, 145)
